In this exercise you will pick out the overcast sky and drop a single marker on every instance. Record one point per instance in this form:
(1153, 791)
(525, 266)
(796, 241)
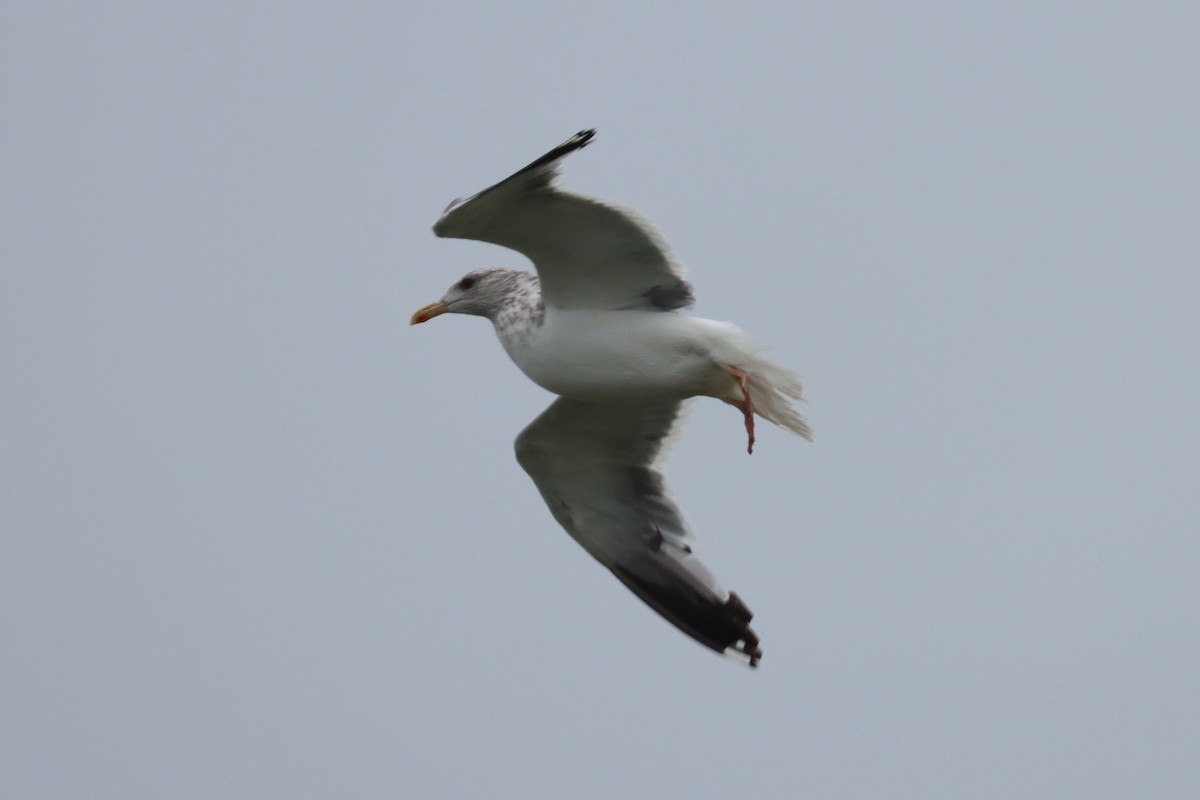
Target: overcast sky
(262, 539)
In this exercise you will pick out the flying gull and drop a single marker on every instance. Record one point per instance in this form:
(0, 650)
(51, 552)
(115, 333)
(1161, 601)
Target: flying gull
(601, 325)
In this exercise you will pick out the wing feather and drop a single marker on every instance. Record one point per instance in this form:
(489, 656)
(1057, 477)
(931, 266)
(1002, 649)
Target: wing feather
(595, 466)
(588, 253)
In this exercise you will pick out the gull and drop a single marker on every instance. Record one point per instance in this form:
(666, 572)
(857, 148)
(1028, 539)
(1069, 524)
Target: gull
(602, 326)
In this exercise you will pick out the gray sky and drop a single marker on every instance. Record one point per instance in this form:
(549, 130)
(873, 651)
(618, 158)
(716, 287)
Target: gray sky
(263, 539)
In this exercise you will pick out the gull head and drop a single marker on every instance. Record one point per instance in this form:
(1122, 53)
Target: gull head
(482, 292)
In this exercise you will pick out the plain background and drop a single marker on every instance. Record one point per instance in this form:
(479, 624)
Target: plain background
(262, 539)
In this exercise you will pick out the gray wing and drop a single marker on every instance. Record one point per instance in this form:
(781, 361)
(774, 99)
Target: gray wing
(588, 253)
(594, 464)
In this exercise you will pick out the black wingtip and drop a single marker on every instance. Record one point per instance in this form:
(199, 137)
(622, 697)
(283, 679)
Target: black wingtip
(576, 142)
(723, 627)
(580, 139)
(748, 644)
(540, 173)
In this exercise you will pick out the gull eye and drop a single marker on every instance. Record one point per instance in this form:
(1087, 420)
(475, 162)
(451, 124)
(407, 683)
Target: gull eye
(467, 282)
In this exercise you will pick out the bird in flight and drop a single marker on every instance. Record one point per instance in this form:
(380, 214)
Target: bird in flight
(602, 325)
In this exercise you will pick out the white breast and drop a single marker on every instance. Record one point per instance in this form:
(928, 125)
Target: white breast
(607, 354)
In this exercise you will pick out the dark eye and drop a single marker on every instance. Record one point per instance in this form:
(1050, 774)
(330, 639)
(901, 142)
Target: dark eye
(467, 282)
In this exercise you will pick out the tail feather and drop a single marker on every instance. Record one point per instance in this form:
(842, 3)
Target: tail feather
(773, 389)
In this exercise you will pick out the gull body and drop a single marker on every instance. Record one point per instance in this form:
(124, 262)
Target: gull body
(629, 354)
(602, 325)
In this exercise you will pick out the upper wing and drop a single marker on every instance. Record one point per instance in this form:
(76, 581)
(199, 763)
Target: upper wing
(594, 464)
(588, 253)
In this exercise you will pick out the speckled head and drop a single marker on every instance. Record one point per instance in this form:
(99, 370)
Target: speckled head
(485, 293)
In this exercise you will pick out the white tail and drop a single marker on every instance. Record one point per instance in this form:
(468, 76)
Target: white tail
(773, 388)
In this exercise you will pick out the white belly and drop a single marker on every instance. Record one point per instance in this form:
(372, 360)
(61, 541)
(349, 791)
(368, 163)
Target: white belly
(620, 353)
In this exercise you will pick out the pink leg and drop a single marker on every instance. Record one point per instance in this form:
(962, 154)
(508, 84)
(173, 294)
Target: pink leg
(747, 407)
